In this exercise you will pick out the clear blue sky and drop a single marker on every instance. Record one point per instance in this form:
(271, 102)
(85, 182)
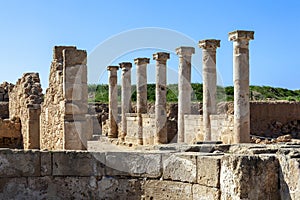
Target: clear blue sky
(30, 29)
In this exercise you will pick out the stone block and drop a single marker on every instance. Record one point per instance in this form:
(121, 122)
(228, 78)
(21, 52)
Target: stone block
(156, 189)
(76, 163)
(62, 188)
(249, 177)
(180, 167)
(201, 192)
(73, 135)
(133, 164)
(209, 170)
(19, 163)
(75, 92)
(46, 163)
(13, 188)
(289, 175)
(72, 57)
(58, 52)
(75, 108)
(75, 74)
(113, 188)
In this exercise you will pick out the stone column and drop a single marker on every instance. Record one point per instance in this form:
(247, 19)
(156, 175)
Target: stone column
(241, 84)
(141, 90)
(126, 95)
(184, 87)
(161, 97)
(113, 102)
(209, 83)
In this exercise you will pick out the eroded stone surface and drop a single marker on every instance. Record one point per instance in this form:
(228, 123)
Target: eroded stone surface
(156, 189)
(209, 170)
(133, 164)
(180, 167)
(249, 177)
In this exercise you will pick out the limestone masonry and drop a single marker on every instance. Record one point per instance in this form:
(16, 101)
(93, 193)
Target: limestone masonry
(56, 145)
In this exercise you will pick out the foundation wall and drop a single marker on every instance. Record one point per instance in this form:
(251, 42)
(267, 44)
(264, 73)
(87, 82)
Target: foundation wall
(151, 175)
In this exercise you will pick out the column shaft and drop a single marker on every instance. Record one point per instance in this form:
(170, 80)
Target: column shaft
(161, 97)
(184, 87)
(209, 83)
(241, 85)
(141, 89)
(125, 95)
(113, 102)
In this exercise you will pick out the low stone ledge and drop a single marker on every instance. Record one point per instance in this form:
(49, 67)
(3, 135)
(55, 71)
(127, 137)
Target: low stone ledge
(14, 163)
(133, 164)
(78, 163)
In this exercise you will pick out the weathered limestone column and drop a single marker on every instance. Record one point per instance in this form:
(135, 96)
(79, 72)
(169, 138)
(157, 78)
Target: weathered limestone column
(241, 84)
(209, 82)
(184, 87)
(126, 95)
(161, 97)
(141, 90)
(113, 102)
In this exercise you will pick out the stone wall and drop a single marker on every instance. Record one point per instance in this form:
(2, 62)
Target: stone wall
(4, 110)
(24, 103)
(4, 98)
(63, 118)
(4, 89)
(10, 133)
(152, 175)
(273, 119)
(193, 128)
(148, 121)
(268, 119)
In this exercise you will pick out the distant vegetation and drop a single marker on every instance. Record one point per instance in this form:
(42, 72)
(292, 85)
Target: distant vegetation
(99, 93)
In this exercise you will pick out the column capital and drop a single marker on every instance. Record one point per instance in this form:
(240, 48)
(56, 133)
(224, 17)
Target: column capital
(241, 35)
(185, 51)
(125, 65)
(112, 68)
(140, 61)
(209, 44)
(161, 56)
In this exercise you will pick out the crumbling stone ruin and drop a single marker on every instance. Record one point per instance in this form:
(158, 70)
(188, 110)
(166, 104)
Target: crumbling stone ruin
(25, 103)
(143, 151)
(63, 121)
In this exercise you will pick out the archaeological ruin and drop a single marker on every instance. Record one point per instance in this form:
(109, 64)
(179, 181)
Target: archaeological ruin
(56, 145)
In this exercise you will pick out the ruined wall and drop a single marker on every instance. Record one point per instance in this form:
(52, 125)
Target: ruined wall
(63, 121)
(193, 128)
(273, 119)
(148, 121)
(24, 103)
(268, 119)
(4, 110)
(10, 133)
(4, 90)
(151, 175)
(4, 98)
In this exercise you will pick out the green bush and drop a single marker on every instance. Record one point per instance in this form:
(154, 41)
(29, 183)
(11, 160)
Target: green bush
(100, 92)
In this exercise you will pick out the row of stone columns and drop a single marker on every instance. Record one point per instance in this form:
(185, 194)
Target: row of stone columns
(241, 89)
